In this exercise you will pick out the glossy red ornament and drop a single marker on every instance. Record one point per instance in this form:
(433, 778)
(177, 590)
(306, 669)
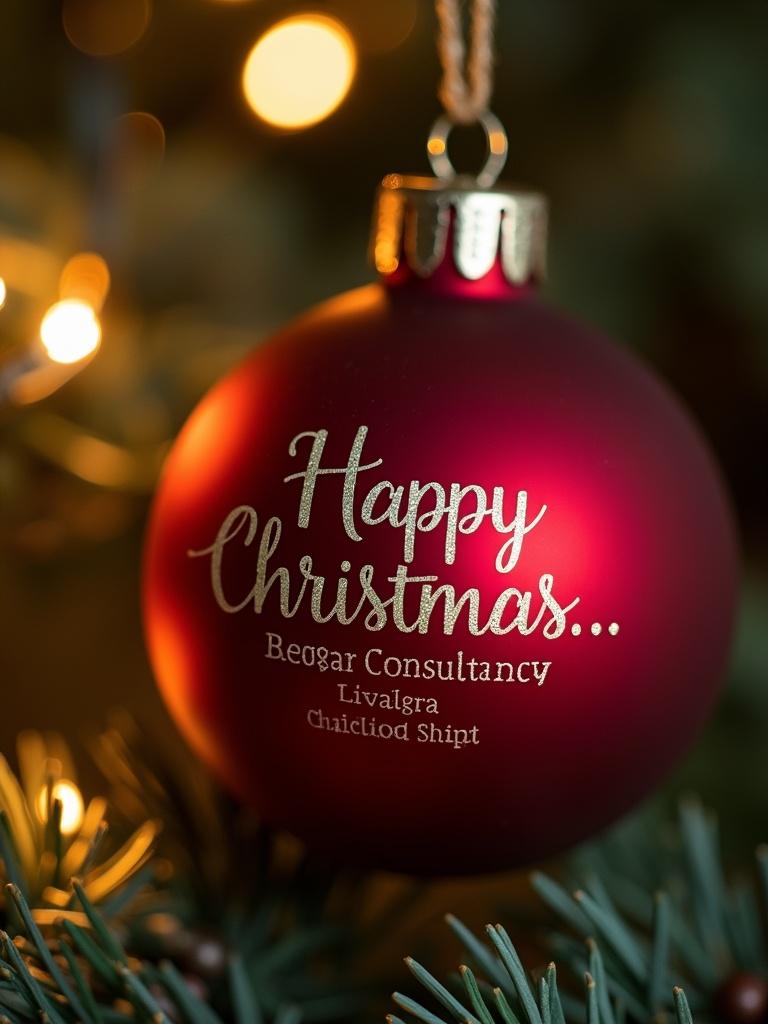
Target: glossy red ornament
(375, 735)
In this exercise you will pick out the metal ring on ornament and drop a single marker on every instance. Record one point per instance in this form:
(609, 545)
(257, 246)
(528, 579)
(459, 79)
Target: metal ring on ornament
(496, 140)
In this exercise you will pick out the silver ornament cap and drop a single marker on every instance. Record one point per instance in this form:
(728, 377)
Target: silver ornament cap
(416, 219)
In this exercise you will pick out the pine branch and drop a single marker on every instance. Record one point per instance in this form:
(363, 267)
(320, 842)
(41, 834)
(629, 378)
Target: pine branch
(694, 930)
(74, 975)
(508, 995)
(291, 926)
(48, 837)
(227, 927)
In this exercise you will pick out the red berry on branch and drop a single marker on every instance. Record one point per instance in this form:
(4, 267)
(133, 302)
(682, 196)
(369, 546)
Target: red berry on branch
(743, 999)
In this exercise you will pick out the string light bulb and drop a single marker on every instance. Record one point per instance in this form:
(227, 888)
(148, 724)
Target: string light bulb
(299, 71)
(70, 331)
(71, 800)
(3, 292)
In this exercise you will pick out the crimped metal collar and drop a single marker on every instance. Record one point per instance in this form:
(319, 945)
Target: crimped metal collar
(415, 217)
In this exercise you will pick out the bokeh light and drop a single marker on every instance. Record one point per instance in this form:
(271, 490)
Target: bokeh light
(379, 28)
(70, 331)
(85, 277)
(299, 71)
(102, 28)
(138, 146)
(3, 292)
(71, 801)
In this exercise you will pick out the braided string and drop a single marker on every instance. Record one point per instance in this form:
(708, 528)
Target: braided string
(465, 97)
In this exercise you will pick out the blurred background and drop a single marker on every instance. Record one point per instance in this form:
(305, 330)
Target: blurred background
(179, 178)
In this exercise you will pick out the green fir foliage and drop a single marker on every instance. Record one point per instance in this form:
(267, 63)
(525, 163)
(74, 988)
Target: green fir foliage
(659, 904)
(503, 992)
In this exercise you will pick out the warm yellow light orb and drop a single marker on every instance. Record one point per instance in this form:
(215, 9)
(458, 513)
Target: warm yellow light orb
(102, 28)
(299, 71)
(71, 802)
(70, 331)
(3, 292)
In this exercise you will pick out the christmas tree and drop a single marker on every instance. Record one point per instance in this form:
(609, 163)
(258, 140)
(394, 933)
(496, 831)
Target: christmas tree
(152, 231)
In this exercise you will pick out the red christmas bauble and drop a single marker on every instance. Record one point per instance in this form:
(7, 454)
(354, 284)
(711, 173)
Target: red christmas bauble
(438, 579)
